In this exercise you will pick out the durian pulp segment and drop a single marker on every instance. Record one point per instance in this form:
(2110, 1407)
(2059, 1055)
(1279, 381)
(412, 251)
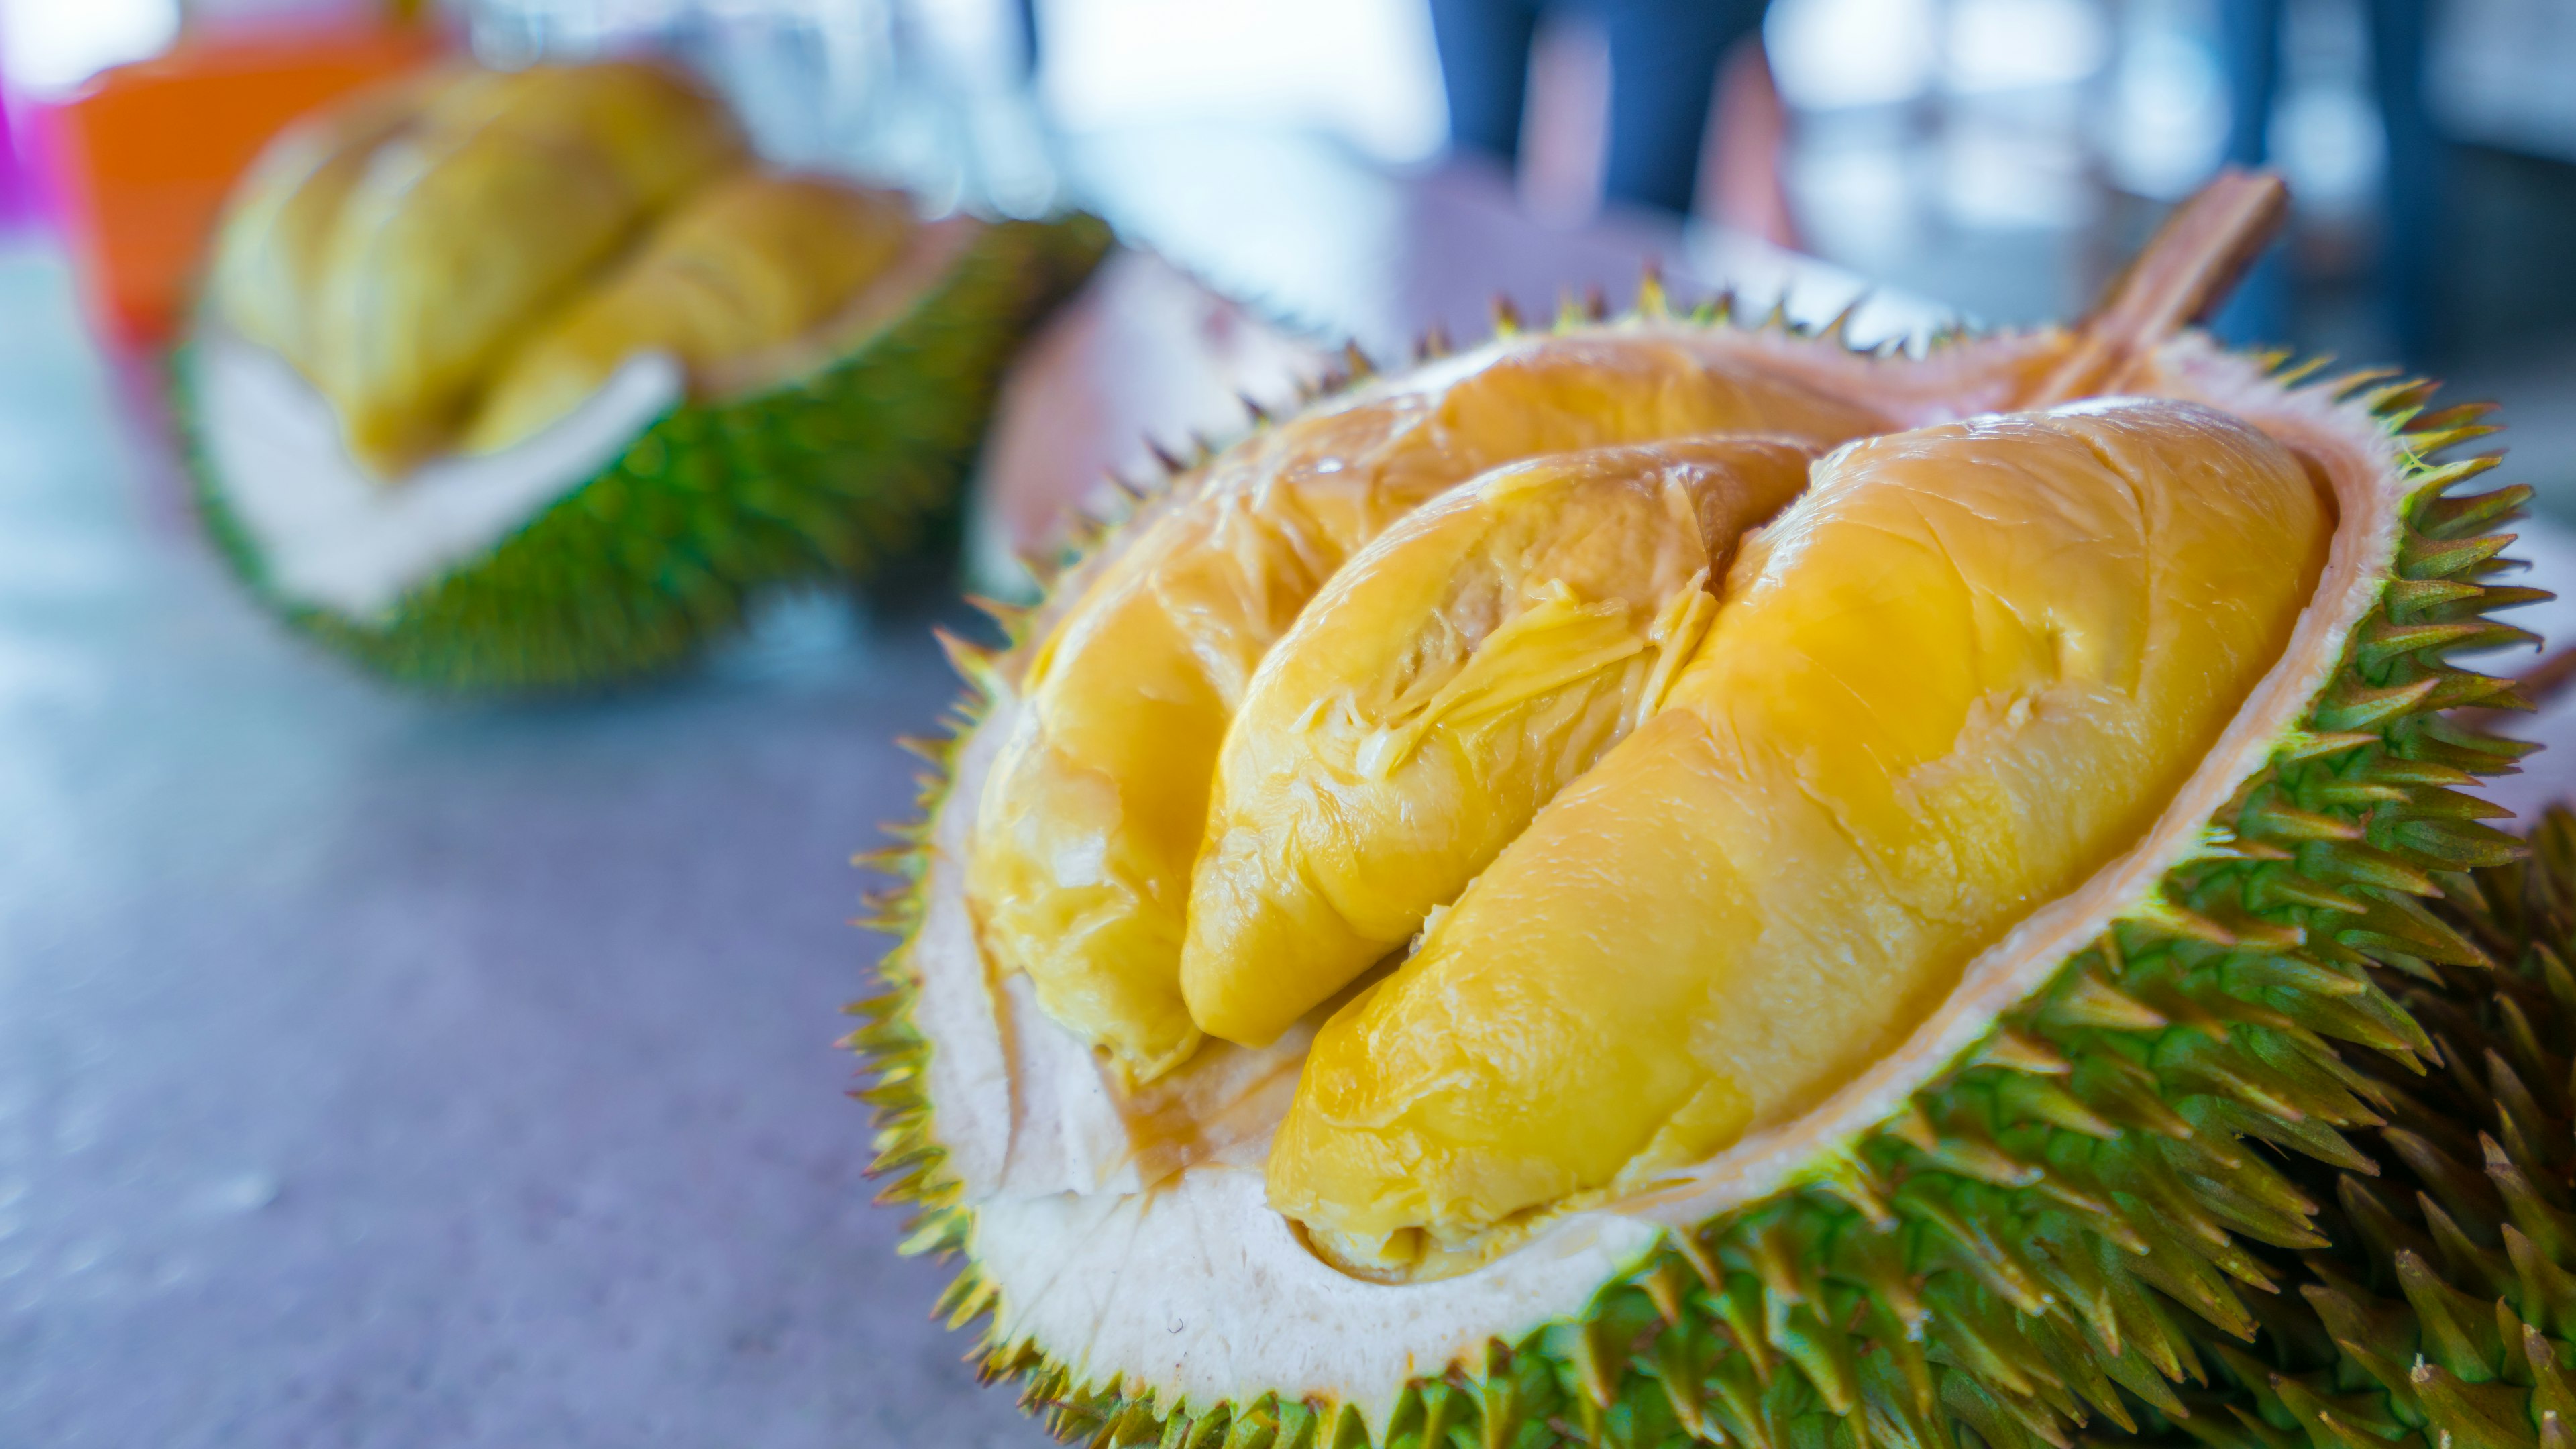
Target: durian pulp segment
(331, 535)
(278, 226)
(1444, 684)
(659, 132)
(744, 267)
(1971, 665)
(1082, 850)
(467, 224)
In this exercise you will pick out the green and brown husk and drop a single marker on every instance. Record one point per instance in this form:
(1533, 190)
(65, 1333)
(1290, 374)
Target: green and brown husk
(811, 483)
(2173, 1195)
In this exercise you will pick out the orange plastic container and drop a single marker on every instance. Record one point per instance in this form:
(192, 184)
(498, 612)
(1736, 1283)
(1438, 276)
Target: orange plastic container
(142, 157)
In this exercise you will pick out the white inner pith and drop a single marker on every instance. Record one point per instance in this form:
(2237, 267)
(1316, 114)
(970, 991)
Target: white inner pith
(1127, 1254)
(333, 535)
(330, 534)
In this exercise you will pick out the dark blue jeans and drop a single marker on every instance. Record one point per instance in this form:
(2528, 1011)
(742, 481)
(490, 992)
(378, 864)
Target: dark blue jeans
(1664, 57)
(2251, 30)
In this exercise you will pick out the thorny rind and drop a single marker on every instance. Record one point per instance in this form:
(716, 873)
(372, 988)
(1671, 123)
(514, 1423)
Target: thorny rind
(2055, 1238)
(637, 569)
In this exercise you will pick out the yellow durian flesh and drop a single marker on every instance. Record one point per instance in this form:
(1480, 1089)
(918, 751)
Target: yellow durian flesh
(657, 131)
(1962, 672)
(278, 226)
(744, 267)
(469, 224)
(1080, 858)
(1444, 684)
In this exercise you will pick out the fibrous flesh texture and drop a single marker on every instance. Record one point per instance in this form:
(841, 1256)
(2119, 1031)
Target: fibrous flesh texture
(430, 255)
(1086, 839)
(1330, 701)
(1447, 681)
(1965, 669)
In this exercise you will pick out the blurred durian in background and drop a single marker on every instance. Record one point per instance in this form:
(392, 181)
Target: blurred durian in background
(527, 379)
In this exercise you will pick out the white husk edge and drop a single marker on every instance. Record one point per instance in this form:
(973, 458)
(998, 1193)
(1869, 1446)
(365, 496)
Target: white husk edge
(329, 533)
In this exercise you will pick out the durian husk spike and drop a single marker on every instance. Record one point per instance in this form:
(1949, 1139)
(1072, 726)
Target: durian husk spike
(1838, 327)
(2450, 1306)
(1653, 304)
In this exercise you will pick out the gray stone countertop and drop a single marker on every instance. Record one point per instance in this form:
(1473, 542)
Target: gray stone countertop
(376, 1071)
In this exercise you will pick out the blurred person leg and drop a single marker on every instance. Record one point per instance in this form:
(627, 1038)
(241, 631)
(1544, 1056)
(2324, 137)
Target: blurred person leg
(1025, 13)
(1484, 50)
(1742, 185)
(2249, 34)
(1664, 62)
(2415, 177)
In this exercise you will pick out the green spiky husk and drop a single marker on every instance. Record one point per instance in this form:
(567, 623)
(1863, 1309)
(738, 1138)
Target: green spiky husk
(635, 570)
(2443, 1314)
(2055, 1235)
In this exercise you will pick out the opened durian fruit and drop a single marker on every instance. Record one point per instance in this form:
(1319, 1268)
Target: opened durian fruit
(1664, 881)
(534, 378)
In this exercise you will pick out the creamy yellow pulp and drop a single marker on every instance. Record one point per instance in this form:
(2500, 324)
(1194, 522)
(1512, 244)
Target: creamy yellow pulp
(1962, 672)
(503, 193)
(747, 264)
(1092, 817)
(1449, 679)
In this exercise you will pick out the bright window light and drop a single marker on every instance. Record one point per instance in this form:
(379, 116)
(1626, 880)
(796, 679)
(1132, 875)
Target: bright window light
(2330, 144)
(1828, 54)
(50, 46)
(1361, 69)
(2166, 126)
(1997, 45)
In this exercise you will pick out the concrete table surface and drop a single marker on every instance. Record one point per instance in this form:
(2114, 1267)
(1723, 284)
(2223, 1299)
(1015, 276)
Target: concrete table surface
(383, 1072)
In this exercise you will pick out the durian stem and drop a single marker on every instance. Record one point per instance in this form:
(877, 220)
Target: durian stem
(2195, 259)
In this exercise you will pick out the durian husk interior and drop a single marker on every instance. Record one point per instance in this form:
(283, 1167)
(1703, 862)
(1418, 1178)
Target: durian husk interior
(458, 259)
(2050, 1202)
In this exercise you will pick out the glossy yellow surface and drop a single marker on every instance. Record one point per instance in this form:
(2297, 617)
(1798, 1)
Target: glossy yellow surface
(1965, 670)
(428, 242)
(745, 266)
(1087, 828)
(1447, 681)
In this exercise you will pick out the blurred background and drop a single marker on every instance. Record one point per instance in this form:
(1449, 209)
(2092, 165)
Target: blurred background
(1996, 157)
(1993, 157)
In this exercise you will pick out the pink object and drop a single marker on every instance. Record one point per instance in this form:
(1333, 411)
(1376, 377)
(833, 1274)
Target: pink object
(15, 192)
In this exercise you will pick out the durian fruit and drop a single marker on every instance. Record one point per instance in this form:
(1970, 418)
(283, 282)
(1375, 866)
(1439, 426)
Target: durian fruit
(534, 379)
(1473, 658)
(1916, 1017)
(754, 264)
